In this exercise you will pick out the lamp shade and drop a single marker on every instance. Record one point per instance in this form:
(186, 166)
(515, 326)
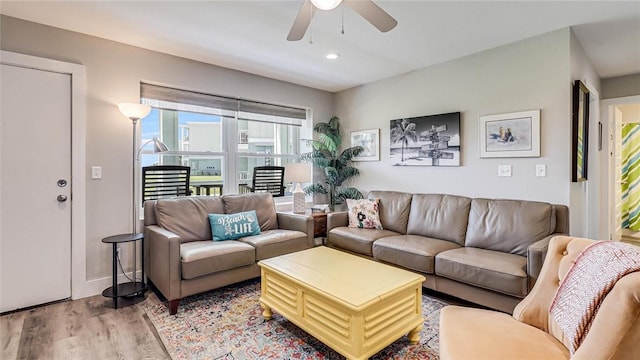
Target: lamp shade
(326, 4)
(297, 172)
(134, 111)
(159, 146)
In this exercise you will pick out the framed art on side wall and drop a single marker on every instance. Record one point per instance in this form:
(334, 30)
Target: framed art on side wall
(370, 141)
(510, 135)
(580, 132)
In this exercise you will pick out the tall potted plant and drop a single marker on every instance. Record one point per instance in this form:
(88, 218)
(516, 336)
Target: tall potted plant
(337, 166)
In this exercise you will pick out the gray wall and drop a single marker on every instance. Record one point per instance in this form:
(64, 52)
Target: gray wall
(530, 74)
(537, 73)
(585, 219)
(114, 72)
(621, 86)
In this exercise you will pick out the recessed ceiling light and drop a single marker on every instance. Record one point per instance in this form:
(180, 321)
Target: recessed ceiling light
(332, 56)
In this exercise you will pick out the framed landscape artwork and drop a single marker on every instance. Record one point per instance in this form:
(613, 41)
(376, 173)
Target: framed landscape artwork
(432, 140)
(370, 141)
(510, 135)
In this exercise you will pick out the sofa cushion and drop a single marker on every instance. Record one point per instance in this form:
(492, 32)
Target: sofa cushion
(411, 251)
(493, 270)
(394, 209)
(509, 226)
(262, 203)
(364, 213)
(276, 242)
(468, 333)
(356, 240)
(234, 226)
(187, 216)
(439, 216)
(206, 257)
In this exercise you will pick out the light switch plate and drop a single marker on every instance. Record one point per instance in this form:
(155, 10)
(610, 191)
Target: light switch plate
(96, 172)
(504, 170)
(541, 170)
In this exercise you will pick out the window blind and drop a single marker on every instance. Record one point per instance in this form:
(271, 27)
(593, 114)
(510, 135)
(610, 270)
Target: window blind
(173, 95)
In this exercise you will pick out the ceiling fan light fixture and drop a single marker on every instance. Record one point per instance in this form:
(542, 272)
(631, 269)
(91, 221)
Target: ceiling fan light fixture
(326, 4)
(365, 8)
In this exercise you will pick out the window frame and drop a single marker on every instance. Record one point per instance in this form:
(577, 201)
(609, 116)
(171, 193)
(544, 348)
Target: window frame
(230, 136)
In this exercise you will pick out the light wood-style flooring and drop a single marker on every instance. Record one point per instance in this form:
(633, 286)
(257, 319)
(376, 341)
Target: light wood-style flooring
(85, 329)
(91, 329)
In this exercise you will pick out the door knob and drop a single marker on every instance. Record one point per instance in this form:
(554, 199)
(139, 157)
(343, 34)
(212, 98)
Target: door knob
(62, 198)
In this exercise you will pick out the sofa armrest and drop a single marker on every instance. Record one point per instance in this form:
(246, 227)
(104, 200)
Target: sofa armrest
(297, 222)
(536, 253)
(164, 261)
(336, 219)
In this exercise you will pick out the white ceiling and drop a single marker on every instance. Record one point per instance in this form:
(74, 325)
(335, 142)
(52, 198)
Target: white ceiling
(251, 35)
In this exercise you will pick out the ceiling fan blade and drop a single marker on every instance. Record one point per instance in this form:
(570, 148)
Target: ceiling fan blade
(302, 21)
(373, 14)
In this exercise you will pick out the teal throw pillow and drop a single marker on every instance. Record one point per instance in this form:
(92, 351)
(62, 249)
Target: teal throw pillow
(234, 226)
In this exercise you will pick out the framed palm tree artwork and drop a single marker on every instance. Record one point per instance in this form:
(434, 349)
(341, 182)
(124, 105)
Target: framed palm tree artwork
(432, 140)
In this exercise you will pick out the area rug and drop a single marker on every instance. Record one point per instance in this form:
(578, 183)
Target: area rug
(227, 324)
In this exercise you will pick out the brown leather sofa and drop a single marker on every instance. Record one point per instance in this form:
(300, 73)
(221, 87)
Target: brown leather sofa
(181, 259)
(486, 251)
(532, 333)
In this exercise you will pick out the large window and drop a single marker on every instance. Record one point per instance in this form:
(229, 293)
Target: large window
(221, 139)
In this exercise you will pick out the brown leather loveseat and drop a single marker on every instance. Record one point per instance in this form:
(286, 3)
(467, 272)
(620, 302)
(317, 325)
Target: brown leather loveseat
(181, 259)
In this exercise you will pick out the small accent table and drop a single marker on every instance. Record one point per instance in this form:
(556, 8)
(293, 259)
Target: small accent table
(319, 224)
(127, 288)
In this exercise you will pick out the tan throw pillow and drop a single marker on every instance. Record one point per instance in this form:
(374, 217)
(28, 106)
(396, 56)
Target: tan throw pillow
(262, 203)
(364, 213)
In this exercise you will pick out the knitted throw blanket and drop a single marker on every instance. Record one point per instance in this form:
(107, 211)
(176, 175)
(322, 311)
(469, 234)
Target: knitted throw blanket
(588, 281)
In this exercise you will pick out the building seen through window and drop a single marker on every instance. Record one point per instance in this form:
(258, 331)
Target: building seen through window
(220, 146)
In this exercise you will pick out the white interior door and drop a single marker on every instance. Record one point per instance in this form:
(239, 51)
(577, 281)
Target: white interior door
(35, 161)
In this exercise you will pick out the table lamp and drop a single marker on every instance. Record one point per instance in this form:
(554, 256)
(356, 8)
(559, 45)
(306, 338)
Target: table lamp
(298, 173)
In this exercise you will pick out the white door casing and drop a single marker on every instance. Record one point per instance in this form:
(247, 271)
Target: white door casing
(617, 175)
(613, 162)
(76, 139)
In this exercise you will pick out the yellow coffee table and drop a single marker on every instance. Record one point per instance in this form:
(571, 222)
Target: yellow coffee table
(353, 305)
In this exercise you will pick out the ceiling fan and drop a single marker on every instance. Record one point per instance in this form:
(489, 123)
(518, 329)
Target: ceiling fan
(366, 8)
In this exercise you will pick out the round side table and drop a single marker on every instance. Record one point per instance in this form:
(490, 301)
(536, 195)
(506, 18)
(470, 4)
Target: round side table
(127, 288)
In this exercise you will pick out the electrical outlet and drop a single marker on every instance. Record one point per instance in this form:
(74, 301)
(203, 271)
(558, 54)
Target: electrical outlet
(118, 252)
(504, 170)
(96, 172)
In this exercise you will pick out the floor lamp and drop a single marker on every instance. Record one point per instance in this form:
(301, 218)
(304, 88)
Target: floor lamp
(298, 173)
(135, 112)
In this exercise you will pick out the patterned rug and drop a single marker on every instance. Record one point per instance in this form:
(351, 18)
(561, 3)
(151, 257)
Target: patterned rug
(227, 324)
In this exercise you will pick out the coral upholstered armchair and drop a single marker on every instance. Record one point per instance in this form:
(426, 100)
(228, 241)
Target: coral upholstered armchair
(538, 327)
